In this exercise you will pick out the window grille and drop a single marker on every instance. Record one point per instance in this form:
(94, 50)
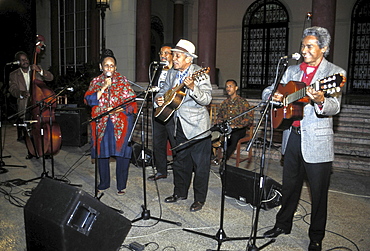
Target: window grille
(264, 41)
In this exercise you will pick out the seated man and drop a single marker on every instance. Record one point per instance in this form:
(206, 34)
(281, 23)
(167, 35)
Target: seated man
(231, 107)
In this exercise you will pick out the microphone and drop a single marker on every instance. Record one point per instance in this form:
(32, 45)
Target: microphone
(108, 74)
(71, 89)
(266, 93)
(154, 89)
(26, 123)
(276, 103)
(295, 56)
(165, 63)
(15, 62)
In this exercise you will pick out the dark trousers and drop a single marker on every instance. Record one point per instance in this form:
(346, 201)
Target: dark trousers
(318, 175)
(236, 134)
(161, 133)
(122, 165)
(192, 157)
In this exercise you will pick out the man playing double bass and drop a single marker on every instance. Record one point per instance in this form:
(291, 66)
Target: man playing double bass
(20, 82)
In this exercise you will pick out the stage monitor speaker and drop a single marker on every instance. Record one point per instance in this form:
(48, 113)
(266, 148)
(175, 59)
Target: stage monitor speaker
(61, 217)
(70, 120)
(243, 185)
(136, 155)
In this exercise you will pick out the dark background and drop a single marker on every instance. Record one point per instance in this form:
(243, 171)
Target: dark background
(17, 18)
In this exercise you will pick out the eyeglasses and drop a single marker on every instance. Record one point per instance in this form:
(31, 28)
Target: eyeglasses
(109, 66)
(164, 53)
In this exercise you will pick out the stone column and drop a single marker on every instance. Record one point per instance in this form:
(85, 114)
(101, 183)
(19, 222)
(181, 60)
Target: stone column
(323, 15)
(207, 26)
(178, 20)
(143, 40)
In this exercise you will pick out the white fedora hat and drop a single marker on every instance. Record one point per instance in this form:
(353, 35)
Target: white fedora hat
(185, 46)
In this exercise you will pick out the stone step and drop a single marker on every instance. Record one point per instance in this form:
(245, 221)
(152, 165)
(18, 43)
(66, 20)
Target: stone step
(351, 149)
(353, 109)
(352, 137)
(346, 162)
(351, 114)
(347, 125)
(343, 118)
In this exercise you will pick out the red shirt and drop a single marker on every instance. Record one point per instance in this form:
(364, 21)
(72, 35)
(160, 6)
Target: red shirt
(308, 73)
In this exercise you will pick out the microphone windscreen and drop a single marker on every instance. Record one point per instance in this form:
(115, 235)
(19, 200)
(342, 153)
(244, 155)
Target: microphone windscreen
(266, 93)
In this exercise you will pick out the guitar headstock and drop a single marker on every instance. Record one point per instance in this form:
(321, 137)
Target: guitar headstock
(331, 84)
(201, 74)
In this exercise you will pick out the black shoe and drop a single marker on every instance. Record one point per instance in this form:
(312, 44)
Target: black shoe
(314, 246)
(275, 232)
(174, 198)
(21, 139)
(196, 206)
(157, 177)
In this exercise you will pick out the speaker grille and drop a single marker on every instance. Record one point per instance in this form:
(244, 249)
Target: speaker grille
(61, 217)
(70, 121)
(243, 185)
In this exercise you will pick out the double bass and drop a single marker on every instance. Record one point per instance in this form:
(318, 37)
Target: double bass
(43, 137)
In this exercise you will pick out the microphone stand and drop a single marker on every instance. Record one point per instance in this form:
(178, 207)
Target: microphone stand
(2, 163)
(96, 119)
(42, 104)
(49, 104)
(251, 246)
(225, 129)
(145, 215)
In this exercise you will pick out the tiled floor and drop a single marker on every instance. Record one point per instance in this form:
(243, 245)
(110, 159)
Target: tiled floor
(347, 227)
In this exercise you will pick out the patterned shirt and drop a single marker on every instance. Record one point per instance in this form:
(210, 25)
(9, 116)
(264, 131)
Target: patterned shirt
(231, 108)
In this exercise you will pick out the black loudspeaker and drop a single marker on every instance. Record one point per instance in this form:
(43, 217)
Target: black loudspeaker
(243, 185)
(61, 217)
(136, 155)
(70, 121)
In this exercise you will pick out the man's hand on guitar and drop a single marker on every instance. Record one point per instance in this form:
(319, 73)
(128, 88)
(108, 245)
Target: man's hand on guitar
(159, 101)
(278, 97)
(189, 83)
(315, 96)
(24, 94)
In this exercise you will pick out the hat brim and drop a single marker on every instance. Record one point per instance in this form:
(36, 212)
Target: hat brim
(191, 54)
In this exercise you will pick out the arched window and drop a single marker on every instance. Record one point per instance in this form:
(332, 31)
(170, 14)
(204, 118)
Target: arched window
(359, 58)
(264, 41)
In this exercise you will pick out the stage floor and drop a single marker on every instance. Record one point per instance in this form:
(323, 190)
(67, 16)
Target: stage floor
(347, 226)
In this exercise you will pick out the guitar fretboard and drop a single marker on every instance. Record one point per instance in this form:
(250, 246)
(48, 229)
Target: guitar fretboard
(296, 96)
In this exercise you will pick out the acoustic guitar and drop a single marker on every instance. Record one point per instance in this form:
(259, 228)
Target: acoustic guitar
(295, 97)
(173, 98)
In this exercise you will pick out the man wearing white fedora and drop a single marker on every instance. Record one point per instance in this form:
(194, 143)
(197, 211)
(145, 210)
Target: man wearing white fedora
(191, 120)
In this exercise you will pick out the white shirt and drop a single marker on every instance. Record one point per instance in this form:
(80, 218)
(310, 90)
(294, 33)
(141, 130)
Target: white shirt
(27, 78)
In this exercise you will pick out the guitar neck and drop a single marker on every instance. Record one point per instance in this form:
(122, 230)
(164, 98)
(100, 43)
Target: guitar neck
(179, 87)
(194, 76)
(328, 85)
(296, 96)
